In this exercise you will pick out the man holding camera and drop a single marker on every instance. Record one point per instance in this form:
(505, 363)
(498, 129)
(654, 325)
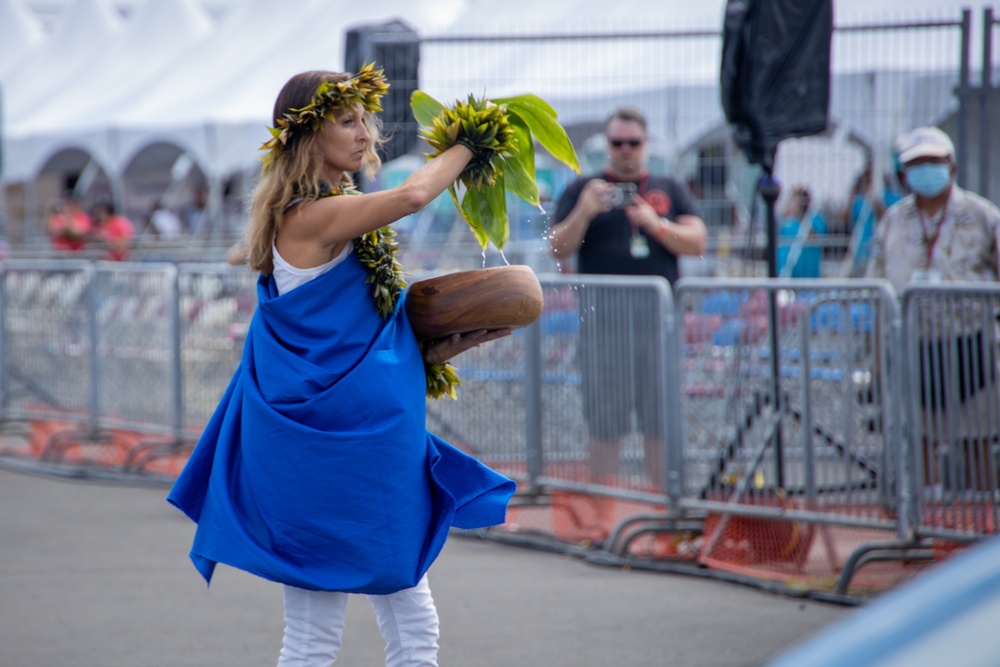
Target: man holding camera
(624, 221)
(612, 230)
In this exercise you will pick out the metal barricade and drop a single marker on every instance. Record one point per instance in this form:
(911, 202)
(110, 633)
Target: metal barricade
(578, 406)
(788, 428)
(46, 354)
(216, 304)
(89, 357)
(772, 427)
(117, 365)
(212, 305)
(951, 359)
(139, 379)
(524, 398)
(608, 426)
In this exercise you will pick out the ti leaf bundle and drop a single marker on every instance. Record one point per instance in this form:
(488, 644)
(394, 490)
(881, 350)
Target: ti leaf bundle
(501, 135)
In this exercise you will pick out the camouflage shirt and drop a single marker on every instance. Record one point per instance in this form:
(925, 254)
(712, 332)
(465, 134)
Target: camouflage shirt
(960, 245)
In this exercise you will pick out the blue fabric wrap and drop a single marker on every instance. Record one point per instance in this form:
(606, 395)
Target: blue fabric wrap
(316, 469)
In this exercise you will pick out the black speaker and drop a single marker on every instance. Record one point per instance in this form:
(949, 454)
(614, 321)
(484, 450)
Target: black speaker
(775, 74)
(394, 47)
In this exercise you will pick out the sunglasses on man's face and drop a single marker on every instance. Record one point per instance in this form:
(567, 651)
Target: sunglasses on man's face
(632, 143)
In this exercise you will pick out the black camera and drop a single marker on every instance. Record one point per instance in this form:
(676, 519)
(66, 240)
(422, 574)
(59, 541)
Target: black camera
(621, 195)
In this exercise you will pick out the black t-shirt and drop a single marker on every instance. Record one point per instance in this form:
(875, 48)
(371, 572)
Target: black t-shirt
(606, 245)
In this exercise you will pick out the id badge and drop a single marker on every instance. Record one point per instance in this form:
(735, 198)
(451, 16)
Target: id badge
(932, 276)
(638, 247)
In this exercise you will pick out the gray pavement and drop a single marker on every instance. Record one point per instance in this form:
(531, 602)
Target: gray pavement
(95, 575)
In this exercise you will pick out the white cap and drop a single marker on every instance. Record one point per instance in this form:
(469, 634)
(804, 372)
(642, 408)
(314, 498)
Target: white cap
(925, 142)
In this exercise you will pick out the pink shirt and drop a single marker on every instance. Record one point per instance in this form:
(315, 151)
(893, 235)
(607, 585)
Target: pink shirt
(68, 232)
(118, 232)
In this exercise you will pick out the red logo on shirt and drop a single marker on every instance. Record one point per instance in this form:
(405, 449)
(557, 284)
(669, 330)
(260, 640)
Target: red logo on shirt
(659, 200)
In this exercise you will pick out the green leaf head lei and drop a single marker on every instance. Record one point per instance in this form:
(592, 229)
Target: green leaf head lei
(365, 88)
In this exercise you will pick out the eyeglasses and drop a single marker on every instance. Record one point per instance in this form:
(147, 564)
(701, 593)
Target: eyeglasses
(632, 143)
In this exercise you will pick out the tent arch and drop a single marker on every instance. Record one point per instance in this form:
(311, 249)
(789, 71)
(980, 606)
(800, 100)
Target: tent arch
(161, 173)
(67, 166)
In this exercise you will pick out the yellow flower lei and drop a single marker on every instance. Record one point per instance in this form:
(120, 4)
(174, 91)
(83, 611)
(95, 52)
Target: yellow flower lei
(377, 251)
(365, 88)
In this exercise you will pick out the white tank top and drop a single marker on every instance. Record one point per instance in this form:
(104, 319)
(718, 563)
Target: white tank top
(288, 277)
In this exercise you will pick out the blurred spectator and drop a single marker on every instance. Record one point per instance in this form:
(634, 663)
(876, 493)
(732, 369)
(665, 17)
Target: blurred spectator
(942, 233)
(800, 255)
(165, 223)
(193, 213)
(624, 221)
(895, 185)
(69, 225)
(115, 230)
(864, 209)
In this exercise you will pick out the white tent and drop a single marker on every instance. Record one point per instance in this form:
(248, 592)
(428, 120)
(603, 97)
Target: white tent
(163, 80)
(19, 32)
(168, 83)
(157, 35)
(173, 87)
(168, 80)
(37, 78)
(33, 83)
(230, 89)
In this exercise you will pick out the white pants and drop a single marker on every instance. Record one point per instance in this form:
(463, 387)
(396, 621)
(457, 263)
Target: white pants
(314, 624)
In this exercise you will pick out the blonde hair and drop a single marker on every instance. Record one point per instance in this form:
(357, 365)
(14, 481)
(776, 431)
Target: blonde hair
(295, 171)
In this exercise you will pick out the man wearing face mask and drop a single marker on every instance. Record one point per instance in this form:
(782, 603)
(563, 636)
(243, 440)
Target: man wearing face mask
(939, 232)
(942, 233)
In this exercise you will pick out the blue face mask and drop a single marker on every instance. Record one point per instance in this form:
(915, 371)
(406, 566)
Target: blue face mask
(928, 180)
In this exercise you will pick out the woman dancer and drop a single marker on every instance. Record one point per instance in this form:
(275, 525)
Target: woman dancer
(316, 470)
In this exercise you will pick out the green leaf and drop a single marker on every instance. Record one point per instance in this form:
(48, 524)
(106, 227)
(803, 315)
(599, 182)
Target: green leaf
(486, 210)
(519, 168)
(425, 108)
(509, 128)
(528, 98)
(541, 120)
(498, 225)
(474, 224)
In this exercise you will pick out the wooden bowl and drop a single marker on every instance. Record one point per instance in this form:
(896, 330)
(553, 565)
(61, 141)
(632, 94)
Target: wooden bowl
(496, 298)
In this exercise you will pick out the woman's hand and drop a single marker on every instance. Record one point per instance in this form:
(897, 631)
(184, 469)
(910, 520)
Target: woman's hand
(444, 349)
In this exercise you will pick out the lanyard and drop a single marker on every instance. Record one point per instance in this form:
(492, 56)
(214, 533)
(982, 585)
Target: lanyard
(930, 240)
